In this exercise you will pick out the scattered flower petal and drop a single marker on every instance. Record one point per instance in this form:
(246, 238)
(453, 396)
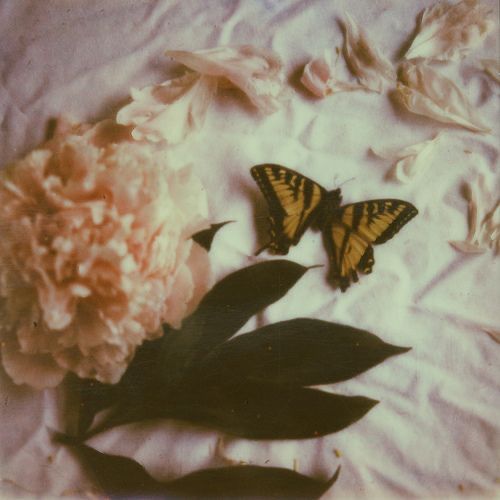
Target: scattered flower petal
(96, 253)
(410, 161)
(257, 72)
(319, 77)
(491, 68)
(484, 222)
(447, 32)
(170, 110)
(425, 92)
(494, 334)
(365, 60)
(466, 247)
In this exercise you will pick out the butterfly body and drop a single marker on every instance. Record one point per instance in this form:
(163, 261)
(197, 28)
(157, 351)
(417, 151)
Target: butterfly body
(349, 231)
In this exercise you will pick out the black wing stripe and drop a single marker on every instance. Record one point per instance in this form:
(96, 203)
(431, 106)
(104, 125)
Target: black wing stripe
(342, 252)
(292, 199)
(407, 213)
(357, 215)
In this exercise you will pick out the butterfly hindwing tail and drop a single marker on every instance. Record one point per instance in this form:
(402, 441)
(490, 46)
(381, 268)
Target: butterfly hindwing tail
(355, 228)
(348, 252)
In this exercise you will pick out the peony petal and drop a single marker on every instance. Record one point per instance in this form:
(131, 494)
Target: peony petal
(494, 334)
(489, 235)
(257, 72)
(484, 223)
(170, 110)
(466, 247)
(410, 161)
(424, 91)
(37, 370)
(365, 60)
(319, 77)
(182, 293)
(491, 68)
(450, 31)
(95, 243)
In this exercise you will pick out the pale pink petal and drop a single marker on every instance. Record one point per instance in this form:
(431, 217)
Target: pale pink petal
(95, 254)
(37, 370)
(365, 59)
(449, 31)
(320, 79)
(257, 72)
(422, 90)
(170, 110)
(492, 68)
(410, 161)
(483, 213)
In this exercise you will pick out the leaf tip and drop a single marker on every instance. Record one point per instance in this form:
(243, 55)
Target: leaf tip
(334, 478)
(401, 350)
(369, 403)
(205, 237)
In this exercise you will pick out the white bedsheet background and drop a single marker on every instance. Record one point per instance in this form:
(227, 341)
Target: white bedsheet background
(435, 431)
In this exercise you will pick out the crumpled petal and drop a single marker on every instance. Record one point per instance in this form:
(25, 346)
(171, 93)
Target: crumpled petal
(447, 32)
(257, 72)
(424, 91)
(492, 68)
(37, 370)
(365, 60)
(319, 77)
(484, 222)
(494, 334)
(170, 110)
(410, 161)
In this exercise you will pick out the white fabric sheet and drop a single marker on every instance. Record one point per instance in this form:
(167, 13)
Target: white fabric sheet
(435, 431)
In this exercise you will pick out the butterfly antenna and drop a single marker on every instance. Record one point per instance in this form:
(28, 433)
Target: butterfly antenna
(316, 266)
(348, 180)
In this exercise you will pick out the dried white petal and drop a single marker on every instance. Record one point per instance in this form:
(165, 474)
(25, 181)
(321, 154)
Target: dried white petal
(257, 72)
(425, 92)
(319, 77)
(494, 334)
(484, 223)
(365, 60)
(170, 110)
(449, 31)
(492, 68)
(466, 247)
(410, 161)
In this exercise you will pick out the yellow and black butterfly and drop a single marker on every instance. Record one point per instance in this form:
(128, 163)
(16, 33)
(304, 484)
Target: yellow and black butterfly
(349, 231)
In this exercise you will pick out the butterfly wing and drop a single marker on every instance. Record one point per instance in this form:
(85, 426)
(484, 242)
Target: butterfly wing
(293, 202)
(353, 230)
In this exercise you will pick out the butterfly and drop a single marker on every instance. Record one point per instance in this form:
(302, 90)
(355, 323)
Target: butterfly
(349, 231)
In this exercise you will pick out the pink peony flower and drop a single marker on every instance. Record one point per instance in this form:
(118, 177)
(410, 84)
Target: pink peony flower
(95, 254)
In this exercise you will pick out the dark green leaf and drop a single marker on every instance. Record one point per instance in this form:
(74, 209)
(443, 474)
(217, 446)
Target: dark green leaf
(91, 397)
(206, 237)
(141, 373)
(300, 351)
(114, 475)
(134, 387)
(94, 397)
(224, 310)
(259, 410)
(250, 481)
(254, 410)
(120, 476)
